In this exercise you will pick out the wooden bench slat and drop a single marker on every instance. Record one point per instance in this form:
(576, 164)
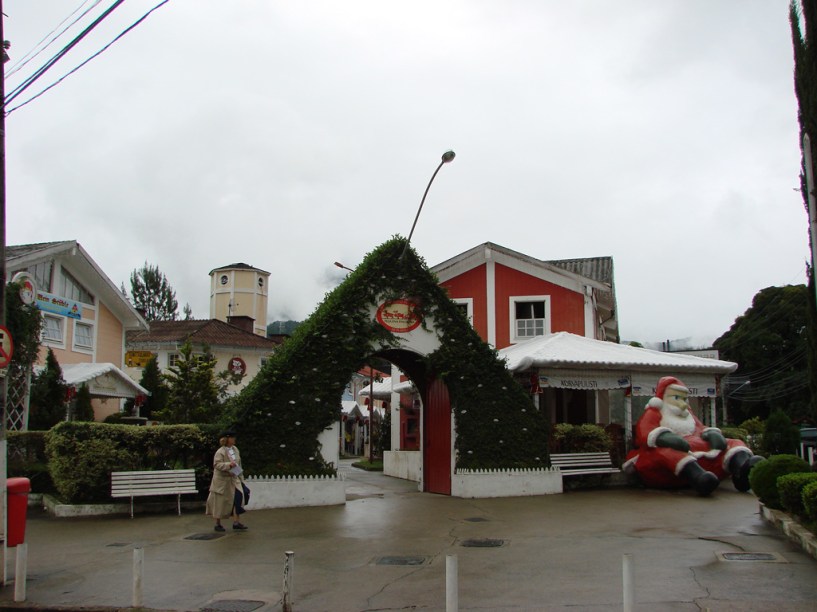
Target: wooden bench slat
(575, 464)
(153, 482)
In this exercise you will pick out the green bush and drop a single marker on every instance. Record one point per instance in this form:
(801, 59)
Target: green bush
(586, 438)
(763, 477)
(753, 426)
(790, 489)
(27, 459)
(736, 433)
(810, 501)
(81, 455)
(781, 436)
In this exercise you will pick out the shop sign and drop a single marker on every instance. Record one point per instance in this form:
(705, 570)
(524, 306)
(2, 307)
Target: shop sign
(27, 287)
(48, 302)
(237, 366)
(577, 380)
(138, 359)
(399, 316)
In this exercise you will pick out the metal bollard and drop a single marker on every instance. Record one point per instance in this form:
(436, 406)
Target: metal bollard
(20, 572)
(138, 571)
(289, 581)
(452, 597)
(628, 573)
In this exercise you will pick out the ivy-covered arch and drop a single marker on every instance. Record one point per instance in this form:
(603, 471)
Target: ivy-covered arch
(280, 414)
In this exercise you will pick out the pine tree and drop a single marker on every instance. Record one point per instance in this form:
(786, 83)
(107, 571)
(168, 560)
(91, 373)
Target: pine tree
(48, 389)
(193, 395)
(83, 410)
(154, 383)
(152, 294)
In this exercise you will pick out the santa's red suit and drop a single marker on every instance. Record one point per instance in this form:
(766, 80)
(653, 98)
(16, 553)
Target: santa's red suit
(661, 466)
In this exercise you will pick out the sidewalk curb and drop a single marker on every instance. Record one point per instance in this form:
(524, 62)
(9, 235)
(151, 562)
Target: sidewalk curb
(792, 529)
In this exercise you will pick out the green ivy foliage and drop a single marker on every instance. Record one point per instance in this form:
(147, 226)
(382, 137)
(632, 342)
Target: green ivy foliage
(280, 414)
(82, 455)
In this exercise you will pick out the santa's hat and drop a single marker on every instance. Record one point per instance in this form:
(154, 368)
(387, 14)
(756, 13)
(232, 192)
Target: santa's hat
(668, 382)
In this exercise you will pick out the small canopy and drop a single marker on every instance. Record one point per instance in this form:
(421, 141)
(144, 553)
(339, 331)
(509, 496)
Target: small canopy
(569, 361)
(382, 390)
(103, 380)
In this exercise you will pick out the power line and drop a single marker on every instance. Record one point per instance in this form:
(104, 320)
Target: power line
(45, 67)
(98, 53)
(31, 54)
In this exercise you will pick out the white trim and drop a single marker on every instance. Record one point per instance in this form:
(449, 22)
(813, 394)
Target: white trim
(490, 299)
(469, 307)
(79, 348)
(61, 323)
(512, 301)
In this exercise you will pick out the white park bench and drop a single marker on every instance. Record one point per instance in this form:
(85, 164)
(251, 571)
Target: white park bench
(577, 464)
(153, 482)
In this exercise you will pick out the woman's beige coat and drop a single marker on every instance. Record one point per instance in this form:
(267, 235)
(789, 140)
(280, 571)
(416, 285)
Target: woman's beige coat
(223, 485)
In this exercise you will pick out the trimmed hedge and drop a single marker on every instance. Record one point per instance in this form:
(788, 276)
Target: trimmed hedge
(586, 438)
(810, 501)
(82, 455)
(27, 459)
(763, 477)
(790, 489)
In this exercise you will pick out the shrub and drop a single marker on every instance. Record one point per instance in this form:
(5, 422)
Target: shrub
(781, 436)
(586, 438)
(26, 458)
(810, 501)
(736, 433)
(81, 455)
(763, 477)
(790, 489)
(753, 426)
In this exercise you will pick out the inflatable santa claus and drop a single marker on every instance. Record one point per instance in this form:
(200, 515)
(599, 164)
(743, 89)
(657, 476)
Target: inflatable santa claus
(674, 449)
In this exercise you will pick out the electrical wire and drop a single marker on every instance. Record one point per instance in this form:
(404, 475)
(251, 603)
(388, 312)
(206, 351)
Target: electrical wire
(102, 50)
(45, 67)
(33, 53)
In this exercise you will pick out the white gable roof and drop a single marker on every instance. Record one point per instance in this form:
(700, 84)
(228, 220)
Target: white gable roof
(103, 379)
(568, 350)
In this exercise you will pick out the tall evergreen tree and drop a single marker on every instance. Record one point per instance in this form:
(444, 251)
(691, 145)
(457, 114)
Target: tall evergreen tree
(193, 395)
(48, 394)
(803, 19)
(769, 345)
(83, 410)
(152, 294)
(154, 383)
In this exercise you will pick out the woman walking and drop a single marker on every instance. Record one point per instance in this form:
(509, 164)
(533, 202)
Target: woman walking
(227, 489)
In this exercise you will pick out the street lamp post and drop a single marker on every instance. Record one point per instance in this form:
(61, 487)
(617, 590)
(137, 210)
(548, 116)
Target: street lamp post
(341, 266)
(447, 157)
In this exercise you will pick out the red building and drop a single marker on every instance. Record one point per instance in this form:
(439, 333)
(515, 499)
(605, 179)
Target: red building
(510, 297)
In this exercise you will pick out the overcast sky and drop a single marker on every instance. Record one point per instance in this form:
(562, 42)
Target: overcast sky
(290, 135)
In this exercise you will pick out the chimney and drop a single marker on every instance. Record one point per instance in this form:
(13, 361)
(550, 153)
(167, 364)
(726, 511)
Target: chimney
(242, 322)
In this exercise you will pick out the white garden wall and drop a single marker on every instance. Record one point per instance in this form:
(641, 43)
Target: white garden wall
(505, 483)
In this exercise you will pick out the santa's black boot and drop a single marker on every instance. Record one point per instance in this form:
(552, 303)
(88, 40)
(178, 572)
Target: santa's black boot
(702, 481)
(739, 466)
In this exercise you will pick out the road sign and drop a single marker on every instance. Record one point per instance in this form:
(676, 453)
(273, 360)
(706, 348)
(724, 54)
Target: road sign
(6, 347)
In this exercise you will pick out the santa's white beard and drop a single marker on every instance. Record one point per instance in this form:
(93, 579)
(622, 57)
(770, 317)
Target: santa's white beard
(682, 425)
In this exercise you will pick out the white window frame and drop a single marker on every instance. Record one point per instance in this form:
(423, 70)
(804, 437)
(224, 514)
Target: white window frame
(173, 359)
(469, 306)
(513, 300)
(60, 326)
(81, 347)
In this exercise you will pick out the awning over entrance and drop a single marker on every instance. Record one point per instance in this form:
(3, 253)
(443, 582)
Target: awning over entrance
(568, 361)
(103, 380)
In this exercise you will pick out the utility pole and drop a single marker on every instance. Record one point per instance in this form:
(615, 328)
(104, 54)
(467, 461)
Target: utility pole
(3, 383)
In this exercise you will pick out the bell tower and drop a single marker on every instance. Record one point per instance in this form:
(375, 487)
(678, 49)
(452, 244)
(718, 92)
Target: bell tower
(238, 295)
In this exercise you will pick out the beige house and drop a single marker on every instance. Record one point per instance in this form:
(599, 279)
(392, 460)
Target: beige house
(236, 349)
(85, 319)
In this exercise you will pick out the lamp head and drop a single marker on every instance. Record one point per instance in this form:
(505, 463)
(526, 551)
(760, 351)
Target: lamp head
(448, 156)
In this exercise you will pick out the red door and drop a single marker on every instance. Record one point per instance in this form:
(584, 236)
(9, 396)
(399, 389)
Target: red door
(437, 440)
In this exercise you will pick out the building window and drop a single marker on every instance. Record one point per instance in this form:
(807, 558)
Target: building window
(52, 329)
(73, 290)
(173, 360)
(530, 317)
(83, 336)
(466, 306)
(42, 275)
